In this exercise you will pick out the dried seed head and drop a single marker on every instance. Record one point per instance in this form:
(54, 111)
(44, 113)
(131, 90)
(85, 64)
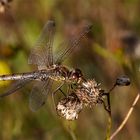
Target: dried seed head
(89, 93)
(123, 81)
(69, 107)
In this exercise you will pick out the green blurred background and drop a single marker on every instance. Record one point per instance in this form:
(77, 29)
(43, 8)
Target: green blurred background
(112, 49)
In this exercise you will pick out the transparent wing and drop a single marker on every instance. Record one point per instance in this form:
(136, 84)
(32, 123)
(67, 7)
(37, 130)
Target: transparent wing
(39, 94)
(72, 44)
(16, 86)
(42, 54)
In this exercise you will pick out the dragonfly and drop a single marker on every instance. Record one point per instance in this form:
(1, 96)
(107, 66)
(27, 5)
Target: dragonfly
(49, 67)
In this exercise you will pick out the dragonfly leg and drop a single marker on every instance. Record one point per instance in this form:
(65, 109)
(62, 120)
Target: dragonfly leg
(55, 91)
(69, 88)
(62, 92)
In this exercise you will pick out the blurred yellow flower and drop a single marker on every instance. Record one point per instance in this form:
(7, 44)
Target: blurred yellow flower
(4, 69)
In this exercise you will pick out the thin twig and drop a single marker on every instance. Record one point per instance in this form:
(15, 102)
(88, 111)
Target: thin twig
(70, 130)
(73, 136)
(112, 88)
(109, 118)
(126, 118)
(109, 127)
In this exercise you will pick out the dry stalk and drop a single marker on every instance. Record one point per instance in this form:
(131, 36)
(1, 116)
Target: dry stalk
(126, 118)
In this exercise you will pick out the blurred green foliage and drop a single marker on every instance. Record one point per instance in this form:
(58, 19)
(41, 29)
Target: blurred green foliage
(111, 50)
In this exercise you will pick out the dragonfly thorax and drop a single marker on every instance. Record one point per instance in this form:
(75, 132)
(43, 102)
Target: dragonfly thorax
(62, 73)
(59, 73)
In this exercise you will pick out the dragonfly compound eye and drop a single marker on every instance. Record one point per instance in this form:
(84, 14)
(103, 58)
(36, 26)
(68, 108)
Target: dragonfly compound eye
(77, 73)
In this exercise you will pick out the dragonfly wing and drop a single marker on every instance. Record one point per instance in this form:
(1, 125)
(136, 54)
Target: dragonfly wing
(16, 86)
(42, 54)
(39, 94)
(72, 44)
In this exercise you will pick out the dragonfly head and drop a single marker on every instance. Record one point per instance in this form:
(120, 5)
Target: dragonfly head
(76, 74)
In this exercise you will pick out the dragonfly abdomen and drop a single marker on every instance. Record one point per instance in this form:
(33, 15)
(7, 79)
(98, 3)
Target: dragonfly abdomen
(19, 76)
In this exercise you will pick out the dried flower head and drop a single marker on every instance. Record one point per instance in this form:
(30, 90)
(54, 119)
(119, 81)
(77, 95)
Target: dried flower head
(69, 107)
(123, 81)
(89, 93)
